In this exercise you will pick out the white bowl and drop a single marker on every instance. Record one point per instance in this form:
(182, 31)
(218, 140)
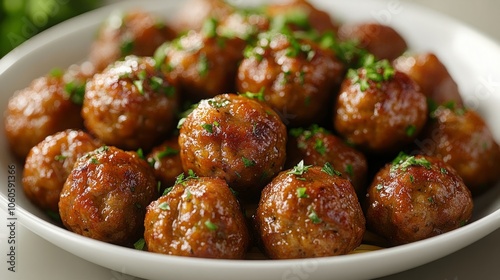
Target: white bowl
(472, 59)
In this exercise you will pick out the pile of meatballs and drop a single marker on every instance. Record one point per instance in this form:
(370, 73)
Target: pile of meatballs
(227, 129)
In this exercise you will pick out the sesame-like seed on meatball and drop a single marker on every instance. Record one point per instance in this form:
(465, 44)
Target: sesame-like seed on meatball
(417, 197)
(106, 195)
(379, 110)
(309, 211)
(235, 138)
(130, 105)
(49, 164)
(199, 217)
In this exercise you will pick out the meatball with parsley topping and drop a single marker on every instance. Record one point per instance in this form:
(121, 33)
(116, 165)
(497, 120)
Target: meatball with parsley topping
(130, 105)
(106, 195)
(49, 164)
(198, 217)
(309, 211)
(379, 110)
(235, 138)
(417, 197)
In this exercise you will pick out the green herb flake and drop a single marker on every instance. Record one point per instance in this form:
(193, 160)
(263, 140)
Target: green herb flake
(377, 71)
(56, 72)
(218, 103)
(248, 162)
(139, 85)
(127, 47)
(60, 157)
(379, 187)
(140, 153)
(93, 160)
(349, 170)
(320, 147)
(203, 65)
(444, 171)
(140, 244)
(168, 151)
(313, 216)
(410, 130)
(259, 95)
(76, 92)
(301, 193)
(182, 178)
(164, 206)
(208, 127)
(328, 169)
(430, 199)
(299, 169)
(209, 28)
(404, 161)
(211, 226)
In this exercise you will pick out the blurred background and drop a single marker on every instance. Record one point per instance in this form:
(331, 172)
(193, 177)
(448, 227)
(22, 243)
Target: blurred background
(22, 19)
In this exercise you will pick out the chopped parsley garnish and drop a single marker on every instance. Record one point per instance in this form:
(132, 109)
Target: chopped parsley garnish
(209, 28)
(218, 103)
(126, 47)
(140, 244)
(299, 169)
(203, 65)
(301, 193)
(211, 226)
(60, 157)
(208, 127)
(410, 130)
(313, 216)
(56, 72)
(319, 146)
(182, 179)
(349, 170)
(379, 187)
(375, 71)
(140, 153)
(248, 162)
(164, 206)
(328, 169)
(298, 17)
(76, 92)
(259, 95)
(403, 161)
(168, 151)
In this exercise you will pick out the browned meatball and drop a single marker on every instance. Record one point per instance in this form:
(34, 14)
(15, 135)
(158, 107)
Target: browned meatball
(204, 64)
(417, 197)
(381, 40)
(378, 109)
(317, 146)
(166, 161)
(235, 138)
(199, 217)
(242, 24)
(49, 163)
(48, 105)
(462, 139)
(132, 33)
(309, 212)
(432, 76)
(194, 13)
(297, 77)
(130, 105)
(106, 195)
(301, 15)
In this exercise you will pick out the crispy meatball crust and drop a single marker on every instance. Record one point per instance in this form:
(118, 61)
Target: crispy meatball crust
(384, 117)
(313, 214)
(415, 198)
(43, 108)
(381, 40)
(106, 195)
(317, 146)
(49, 164)
(462, 139)
(131, 33)
(130, 105)
(432, 77)
(199, 217)
(298, 78)
(166, 161)
(235, 138)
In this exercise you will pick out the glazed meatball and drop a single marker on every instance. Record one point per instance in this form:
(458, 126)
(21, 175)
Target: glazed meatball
(50, 104)
(378, 109)
(317, 146)
(132, 33)
(309, 212)
(381, 40)
(463, 140)
(204, 64)
(106, 195)
(235, 138)
(49, 163)
(166, 161)
(194, 13)
(301, 15)
(417, 197)
(298, 78)
(432, 76)
(199, 217)
(130, 105)
(242, 24)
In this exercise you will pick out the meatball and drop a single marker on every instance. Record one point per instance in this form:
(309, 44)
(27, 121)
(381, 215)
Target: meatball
(194, 13)
(132, 33)
(381, 40)
(199, 217)
(432, 76)
(166, 161)
(317, 146)
(378, 109)
(235, 138)
(204, 64)
(309, 211)
(417, 197)
(130, 105)
(463, 140)
(301, 15)
(50, 104)
(298, 78)
(49, 163)
(106, 195)
(242, 24)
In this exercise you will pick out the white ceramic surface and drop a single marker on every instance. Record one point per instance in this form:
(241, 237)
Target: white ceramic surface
(472, 59)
